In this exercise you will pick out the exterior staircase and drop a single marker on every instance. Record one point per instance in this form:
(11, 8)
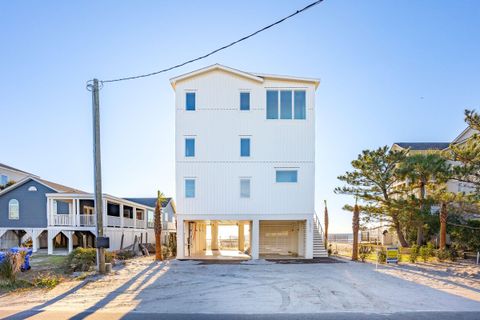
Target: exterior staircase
(318, 243)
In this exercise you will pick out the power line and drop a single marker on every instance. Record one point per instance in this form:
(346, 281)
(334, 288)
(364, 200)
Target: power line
(216, 50)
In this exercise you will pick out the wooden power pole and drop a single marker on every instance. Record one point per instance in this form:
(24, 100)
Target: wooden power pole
(97, 172)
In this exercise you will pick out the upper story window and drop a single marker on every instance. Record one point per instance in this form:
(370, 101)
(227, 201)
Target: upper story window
(244, 101)
(3, 180)
(189, 188)
(245, 147)
(190, 101)
(189, 147)
(245, 188)
(13, 209)
(286, 104)
(286, 175)
(300, 100)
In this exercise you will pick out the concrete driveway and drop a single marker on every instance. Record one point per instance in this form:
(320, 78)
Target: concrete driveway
(146, 288)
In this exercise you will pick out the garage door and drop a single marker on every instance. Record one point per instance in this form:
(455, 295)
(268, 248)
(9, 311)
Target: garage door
(279, 237)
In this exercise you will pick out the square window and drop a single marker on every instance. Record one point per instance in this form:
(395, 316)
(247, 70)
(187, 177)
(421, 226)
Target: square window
(190, 101)
(272, 104)
(286, 176)
(286, 104)
(300, 104)
(189, 188)
(245, 147)
(244, 188)
(244, 101)
(189, 147)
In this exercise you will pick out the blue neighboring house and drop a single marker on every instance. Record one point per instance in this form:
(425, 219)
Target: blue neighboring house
(48, 215)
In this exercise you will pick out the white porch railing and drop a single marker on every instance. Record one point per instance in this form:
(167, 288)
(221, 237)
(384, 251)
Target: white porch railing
(62, 220)
(113, 221)
(140, 224)
(87, 220)
(128, 223)
(150, 224)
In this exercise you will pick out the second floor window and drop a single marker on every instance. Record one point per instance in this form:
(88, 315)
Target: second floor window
(244, 101)
(3, 180)
(245, 147)
(190, 101)
(287, 176)
(244, 188)
(189, 147)
(13, 209)
(189, 188)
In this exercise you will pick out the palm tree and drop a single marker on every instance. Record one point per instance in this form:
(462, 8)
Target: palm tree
(158, 227)
(422, 170)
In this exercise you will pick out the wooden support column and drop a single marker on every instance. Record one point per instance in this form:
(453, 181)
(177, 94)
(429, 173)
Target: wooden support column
(214, 229)
(241, 236)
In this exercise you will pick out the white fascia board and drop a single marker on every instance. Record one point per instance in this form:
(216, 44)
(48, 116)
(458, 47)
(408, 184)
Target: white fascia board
(174, 80)
(316, 81)
(23, 181)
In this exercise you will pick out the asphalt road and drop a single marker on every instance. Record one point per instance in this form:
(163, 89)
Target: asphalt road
(50, 315)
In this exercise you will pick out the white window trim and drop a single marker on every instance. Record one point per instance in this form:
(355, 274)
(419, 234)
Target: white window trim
(249, 187)
(10, 211)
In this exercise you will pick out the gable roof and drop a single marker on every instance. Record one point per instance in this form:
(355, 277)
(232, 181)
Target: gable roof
(149, 202)
(423, 146)
(52, 185)
(465, 135)
(249, 75)
(14, 169)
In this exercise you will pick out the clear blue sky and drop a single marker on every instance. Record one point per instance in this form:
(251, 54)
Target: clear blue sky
(391, 71)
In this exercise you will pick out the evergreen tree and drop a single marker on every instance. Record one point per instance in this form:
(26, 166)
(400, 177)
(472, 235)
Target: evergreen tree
(373, 181)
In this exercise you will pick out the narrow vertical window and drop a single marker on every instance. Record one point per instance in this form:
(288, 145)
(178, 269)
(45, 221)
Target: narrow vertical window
(245, 188)
(190, 147)
(190, 101)
(189, 188)
(3, 180)
(245, 147)
(286, 104)
(244, 101)
(300, 105)
(272, 104)
(13, 209)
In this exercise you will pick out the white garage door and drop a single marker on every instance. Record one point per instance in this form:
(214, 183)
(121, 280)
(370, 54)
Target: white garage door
(279, 237)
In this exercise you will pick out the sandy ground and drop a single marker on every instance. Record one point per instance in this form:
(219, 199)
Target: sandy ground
(187, 287)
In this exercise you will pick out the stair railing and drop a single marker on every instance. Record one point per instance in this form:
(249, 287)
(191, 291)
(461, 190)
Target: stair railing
(316, 220)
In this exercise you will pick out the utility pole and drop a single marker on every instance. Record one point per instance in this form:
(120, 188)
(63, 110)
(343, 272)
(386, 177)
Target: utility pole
(97, 172)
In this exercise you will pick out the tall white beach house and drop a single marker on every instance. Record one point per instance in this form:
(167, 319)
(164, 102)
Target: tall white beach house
(245, 165)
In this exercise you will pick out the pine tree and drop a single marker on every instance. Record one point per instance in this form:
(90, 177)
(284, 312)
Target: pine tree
(372, 181)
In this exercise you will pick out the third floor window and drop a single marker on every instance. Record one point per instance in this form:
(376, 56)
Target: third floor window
(190, 101)
(286, 104)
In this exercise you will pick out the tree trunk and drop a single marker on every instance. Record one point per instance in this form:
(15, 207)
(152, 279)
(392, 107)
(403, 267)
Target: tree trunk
(355, 227)
(422, 209)
(398, 229)
(443, 225)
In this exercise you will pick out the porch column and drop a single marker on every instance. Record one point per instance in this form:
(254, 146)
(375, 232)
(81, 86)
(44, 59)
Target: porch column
(76, 215)
(255, 232)
(35, 234)
(241, 236)
(121, 215)
(69, 235)
(309, 239)
(50, 236)
(180, 239)
(134, 218)
(215, 235)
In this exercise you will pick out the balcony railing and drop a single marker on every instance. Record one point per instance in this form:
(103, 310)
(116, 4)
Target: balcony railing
(62, 220)
(140, 224)
(113, 221)
(128, 223)
(87, 220)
